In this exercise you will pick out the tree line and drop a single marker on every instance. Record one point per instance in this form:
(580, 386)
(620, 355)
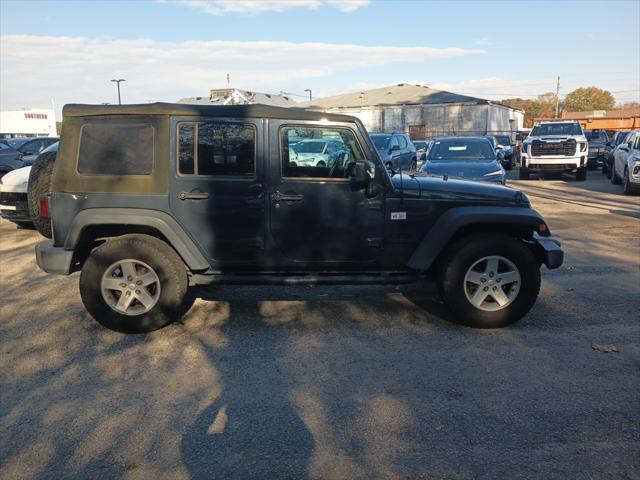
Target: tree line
(580, 100)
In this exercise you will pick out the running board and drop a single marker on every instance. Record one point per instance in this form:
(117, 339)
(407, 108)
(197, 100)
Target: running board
(309, 279)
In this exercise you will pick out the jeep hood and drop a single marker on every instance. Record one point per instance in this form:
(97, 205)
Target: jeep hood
(437, 188)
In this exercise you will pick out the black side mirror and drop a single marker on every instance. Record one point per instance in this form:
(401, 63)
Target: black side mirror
(27, 152)
(394, 148)
(360, 174)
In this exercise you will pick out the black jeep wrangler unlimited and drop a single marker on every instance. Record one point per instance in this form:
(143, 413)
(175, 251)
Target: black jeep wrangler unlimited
(148, 200)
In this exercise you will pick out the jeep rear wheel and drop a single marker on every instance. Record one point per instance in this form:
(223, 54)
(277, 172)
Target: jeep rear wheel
(489, 281)
(524, 174)
(133, 284)
(581, 174)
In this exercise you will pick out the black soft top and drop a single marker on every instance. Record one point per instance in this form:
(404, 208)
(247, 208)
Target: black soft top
(238, 111)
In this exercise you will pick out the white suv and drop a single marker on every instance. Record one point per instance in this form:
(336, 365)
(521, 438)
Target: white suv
(555, 147)
(626, 164)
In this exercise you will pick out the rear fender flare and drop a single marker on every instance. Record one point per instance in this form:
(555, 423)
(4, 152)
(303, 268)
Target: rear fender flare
(159, 221)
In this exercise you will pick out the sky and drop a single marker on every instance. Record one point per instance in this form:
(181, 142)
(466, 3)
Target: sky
(68, 51)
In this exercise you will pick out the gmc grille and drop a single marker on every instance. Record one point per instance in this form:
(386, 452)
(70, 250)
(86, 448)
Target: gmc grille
(566, 148)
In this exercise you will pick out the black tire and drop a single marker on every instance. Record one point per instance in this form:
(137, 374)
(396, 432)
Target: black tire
(581, 174)
(627, 187)
(166, 264)
(604, 169)
(414, 165)
(615, 179)
(524, 174)
(463, 254)
(39, 184)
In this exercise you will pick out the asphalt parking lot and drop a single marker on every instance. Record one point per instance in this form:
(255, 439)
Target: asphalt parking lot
(336, 382)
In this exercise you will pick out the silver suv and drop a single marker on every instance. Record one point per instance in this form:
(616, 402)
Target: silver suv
(626, 164)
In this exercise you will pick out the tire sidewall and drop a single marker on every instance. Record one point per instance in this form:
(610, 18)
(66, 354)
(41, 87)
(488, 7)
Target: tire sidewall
(173, 284)
(467, 254)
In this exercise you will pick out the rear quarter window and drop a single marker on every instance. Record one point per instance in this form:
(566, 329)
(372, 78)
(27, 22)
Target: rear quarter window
(116, 149)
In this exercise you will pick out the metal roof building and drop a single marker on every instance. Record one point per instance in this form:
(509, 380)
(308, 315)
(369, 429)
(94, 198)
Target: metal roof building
(422, 112)
(234, 96)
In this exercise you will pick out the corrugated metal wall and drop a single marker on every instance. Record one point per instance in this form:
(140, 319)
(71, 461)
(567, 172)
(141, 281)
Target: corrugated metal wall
(428, 121)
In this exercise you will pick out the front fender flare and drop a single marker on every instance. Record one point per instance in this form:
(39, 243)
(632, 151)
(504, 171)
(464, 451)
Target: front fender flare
(443, 230)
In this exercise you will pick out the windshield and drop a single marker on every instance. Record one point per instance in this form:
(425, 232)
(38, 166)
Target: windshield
(381, 141)
(503, 140)
(16, 143)
(309, 147)
(620, 137)
(51, 148)
(461, 149)
(557, 129)
(595, 135)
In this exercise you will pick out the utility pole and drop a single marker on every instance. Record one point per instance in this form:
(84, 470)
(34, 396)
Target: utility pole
(118, 82)
(309, 90)
(558, 97)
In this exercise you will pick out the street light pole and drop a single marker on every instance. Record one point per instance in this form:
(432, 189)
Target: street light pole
(118, 83)
(309, 90)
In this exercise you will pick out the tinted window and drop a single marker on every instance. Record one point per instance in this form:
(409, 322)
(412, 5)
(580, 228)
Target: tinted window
(381, 141)
(309, 157)
(503, 140)
(461, 149)
(116, 149)
(216, 148)
(402, 142)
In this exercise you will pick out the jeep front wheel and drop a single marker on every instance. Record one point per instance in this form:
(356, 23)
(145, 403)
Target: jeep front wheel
(489, 281)
(133, 284)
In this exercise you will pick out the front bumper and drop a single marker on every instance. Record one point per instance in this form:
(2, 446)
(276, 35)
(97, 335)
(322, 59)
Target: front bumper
(54, 259)
(547, 250)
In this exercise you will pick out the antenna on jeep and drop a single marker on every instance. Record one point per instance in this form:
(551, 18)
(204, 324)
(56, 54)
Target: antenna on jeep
(401, 187)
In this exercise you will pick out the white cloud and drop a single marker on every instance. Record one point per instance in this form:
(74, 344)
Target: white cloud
(220, 7)
(74, 69)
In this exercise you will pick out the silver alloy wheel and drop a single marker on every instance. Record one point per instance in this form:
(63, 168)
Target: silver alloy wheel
(130, 287)
(492, 283)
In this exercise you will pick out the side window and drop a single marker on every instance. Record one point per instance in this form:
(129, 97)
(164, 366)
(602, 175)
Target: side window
(116, 149)
(317, 152)
(393, 142)
(402, 142)
(636, 145)
(216, 148)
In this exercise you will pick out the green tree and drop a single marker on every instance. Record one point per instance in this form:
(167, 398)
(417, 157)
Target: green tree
(589, 98)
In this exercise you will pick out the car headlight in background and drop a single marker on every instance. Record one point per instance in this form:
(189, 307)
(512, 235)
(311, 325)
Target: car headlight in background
(523, 148)
(583, 146)
(635, 171)
(494, 174)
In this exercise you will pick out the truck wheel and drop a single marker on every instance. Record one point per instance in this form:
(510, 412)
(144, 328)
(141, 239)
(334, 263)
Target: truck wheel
(133, 284)
(581, 174)
(39, 184)
(489, 281)
(524, 174)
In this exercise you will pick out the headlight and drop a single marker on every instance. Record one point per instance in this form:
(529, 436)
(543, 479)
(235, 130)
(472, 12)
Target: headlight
(492, 174)
(583, 147)
(523, 149)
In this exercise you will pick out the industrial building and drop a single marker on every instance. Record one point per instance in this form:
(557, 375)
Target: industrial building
(35, 122)
(235, 96)
(612, 120)
(422, 112)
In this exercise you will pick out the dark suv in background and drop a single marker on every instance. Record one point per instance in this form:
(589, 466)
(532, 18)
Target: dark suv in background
(147, 200)
(598, 140)
(396, 150)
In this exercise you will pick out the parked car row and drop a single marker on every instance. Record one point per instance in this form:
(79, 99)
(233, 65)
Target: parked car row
(21, 151)
(20, 191)
(625, 165)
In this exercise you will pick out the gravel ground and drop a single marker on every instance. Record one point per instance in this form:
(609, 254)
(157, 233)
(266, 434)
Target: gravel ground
(336, 382)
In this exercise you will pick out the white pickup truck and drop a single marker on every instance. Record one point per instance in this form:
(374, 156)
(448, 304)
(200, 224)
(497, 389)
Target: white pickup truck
(555, 147)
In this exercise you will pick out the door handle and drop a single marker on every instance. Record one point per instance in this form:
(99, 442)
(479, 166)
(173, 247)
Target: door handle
(193, 196)
(286, 197)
